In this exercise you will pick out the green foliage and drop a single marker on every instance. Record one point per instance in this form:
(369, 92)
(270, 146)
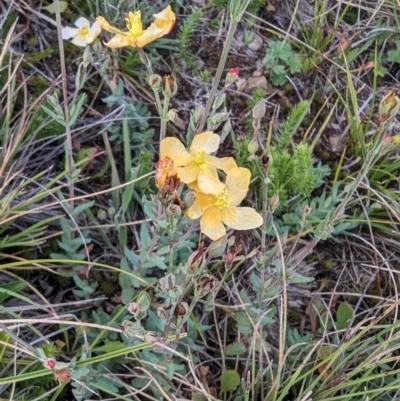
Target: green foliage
(184, 37)
(137, 116)
(72, 241)
(279, 60)
(253, 7)
(256, 96)
(292, 171)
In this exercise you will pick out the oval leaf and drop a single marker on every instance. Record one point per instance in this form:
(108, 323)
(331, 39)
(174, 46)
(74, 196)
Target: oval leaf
(230, 380)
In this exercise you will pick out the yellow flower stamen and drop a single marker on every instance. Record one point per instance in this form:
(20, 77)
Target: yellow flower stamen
(222, 199)
(134, 24)
(199, 156)
(83, 31)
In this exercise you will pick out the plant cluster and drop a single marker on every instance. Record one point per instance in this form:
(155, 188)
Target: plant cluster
(176, 304)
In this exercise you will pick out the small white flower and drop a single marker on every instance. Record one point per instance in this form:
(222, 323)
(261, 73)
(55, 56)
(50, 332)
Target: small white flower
(84, 34)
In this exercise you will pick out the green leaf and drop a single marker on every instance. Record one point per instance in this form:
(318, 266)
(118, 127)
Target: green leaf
(394, 56)
(281, 50)
(278, 80)
(51, 8)
(13, 286)
(199, 397)
(235, 349)
(244, 324)
(230, 380)
(106, 384)
(111, 346)
(295, 64)
(344, 315)
(296, 278)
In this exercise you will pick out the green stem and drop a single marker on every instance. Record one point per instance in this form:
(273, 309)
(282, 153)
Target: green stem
(161, 110)
(227, 46)
(163, 127)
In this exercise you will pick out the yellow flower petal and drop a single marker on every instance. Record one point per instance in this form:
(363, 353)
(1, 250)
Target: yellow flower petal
(135, 36)
(173, 148)
(237, 184)
(207, 141)
(201, 203)
(225, 164)
(211, 224)
(118, 41)
(189, 173)
(241, 218)
(165, 18)
(106, 26)
(208, 180)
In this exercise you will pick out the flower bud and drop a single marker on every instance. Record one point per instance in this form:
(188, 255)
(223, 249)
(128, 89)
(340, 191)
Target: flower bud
(150, 337)
(174, 211)
(266, 161)
(274, 202)
(219, 118)
(219, 101)
(252, 147)
(217, 248)
(63, 375)
(230, 257)
(198, 113)
(196, 262)
(226, 128)
(305, 211)
(231, 77)
(134, 308)
(181, 309)
(172, 115)
(170, 86)
(388, 107)
(111, 212)
(50, 363)
(87, 56)
(162, 312)
(205, 285)
(259, 110)
(101, 214)
(189, 199)
(131, 329)
(155, 81)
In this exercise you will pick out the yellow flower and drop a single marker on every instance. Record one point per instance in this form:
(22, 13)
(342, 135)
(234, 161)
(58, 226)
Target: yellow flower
(215, 210)
(136, 36)
(82, 35)
(198, 164)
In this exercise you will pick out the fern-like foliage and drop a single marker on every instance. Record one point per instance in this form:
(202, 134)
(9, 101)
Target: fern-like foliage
(291, 125)
(292, 171)
(303, 174)
(185, 35)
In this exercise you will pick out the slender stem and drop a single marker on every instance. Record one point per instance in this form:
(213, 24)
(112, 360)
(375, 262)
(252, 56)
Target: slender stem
(70, 159)
(227, 46)
(162, 110)
(163, 127)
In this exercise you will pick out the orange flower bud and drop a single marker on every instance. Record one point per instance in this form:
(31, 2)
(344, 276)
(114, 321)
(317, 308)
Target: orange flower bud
(166, 177)
(63, 375)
